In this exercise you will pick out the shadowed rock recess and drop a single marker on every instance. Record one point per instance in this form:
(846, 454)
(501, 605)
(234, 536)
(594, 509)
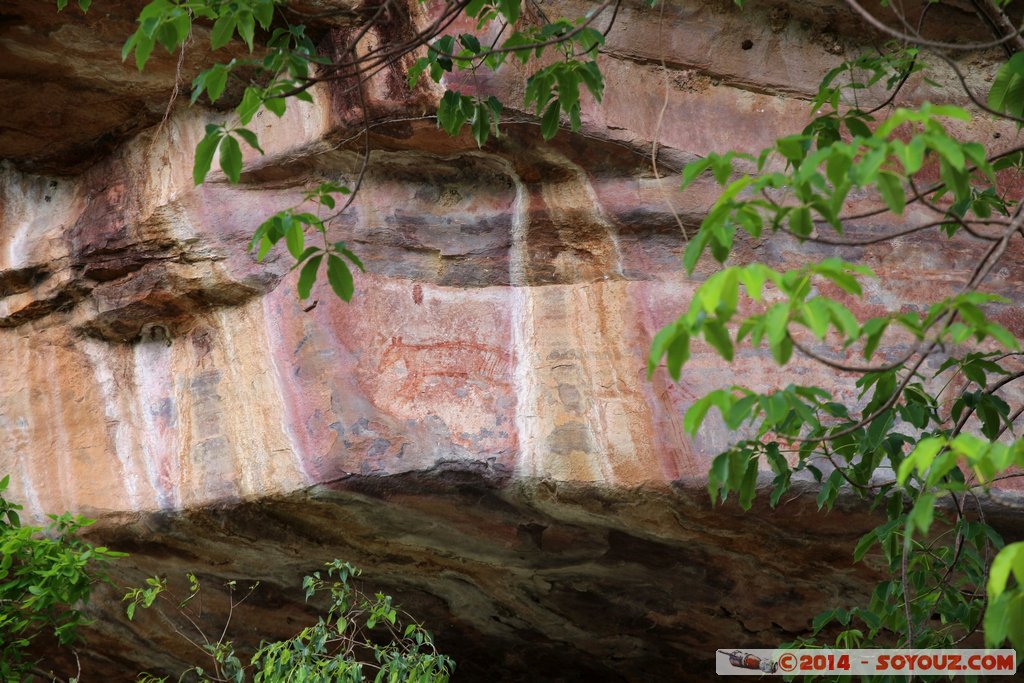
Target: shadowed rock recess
(475, 429)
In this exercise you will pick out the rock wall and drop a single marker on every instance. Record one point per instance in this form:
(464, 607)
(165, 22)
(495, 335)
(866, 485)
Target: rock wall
(476, 428)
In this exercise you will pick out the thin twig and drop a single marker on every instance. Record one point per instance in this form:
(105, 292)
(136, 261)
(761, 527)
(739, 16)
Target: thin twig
(871, 19)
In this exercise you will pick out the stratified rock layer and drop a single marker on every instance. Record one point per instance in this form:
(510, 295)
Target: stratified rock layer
(476, 429)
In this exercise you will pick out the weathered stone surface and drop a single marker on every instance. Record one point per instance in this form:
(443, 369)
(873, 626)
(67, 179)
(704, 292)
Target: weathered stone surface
(476, 429)
(591, 583)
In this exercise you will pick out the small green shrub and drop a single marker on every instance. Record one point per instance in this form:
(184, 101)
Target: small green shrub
(360, 638)
(46, 576)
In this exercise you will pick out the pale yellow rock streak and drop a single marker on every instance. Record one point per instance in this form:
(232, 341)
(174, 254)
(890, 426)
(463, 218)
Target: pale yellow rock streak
(232, 407)
(581, 412)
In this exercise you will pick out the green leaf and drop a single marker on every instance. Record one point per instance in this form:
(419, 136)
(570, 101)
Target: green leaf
(793, 148)
(167, 35)
(204, 153)
(246, 27)
(415, 71)
(718, 337)
(223, 30)
(843, 320)
(340, 278)
(748, 485)
(308, 276)
(252, 100)
(920, 458)
(718, 475)
(214, 80)
(816, 317)
(342, 249)
(481, 124)
(891, 189)
(866, 542)
(695, 415)
(450, 115)
(264, 13)
(129, 45)
(678, 353)
(1009, 560)
(693, 170)
(568, 88)
(776, 408)
(837, 167)
(276, 105)
(695, 248)
(517, 39)
(922, 514)
(1004, 620)
(510, 10)
(911, 155)
(143, 49)
(549, 122)
(1008, 160)
(740, 412)
(929, 110)
(470, 42)
(949, 149)
(873, 330)
(1002, 335)
(496, 107)
(857, 127)
(865, 171)
(830, 490)
(250, 138)
(776, 321)
(1007, 92)
(295, 239)
(231, 158)
(941, 466)
(709, 295)
(800, 221)
(659, 345)
(753, 278)
(844, 281)
(822, 620)
(592, 77)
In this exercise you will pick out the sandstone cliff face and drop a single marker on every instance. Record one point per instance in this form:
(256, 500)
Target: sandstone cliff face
(476, 429)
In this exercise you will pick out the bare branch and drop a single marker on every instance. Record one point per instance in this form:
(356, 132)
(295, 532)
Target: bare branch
(871, 19)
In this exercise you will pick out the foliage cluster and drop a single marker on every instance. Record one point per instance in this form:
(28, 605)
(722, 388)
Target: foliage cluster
(929, 378)
(45, 577)
(360, 637)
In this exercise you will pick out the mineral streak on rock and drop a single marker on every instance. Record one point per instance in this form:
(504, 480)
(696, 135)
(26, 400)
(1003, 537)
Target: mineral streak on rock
(476, 429)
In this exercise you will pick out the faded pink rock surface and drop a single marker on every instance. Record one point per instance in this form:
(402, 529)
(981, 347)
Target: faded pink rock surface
(476, 428)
